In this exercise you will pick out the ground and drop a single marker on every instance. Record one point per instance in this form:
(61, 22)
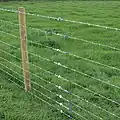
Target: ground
(16, 104)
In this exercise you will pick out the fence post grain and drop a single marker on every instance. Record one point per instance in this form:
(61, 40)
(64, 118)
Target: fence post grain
(24, 52)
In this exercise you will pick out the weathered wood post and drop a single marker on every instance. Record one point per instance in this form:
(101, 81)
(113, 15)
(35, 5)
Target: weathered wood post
(24, 51)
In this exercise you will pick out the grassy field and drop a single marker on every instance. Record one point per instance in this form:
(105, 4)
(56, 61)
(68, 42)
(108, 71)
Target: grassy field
(15, 104)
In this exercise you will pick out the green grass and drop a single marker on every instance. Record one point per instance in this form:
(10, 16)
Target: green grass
(15, 104)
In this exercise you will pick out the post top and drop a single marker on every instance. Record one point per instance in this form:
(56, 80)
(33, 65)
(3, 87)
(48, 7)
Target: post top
(21, 9)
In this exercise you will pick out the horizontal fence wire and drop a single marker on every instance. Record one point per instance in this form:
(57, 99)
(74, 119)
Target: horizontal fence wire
(60, 96)
(61, 65)
(69, 53)
(59, 87)
(61, 111)
(64, 66)
(66, 36)
(62, 19)
(64, 52)
(74, 70)
(90, 91)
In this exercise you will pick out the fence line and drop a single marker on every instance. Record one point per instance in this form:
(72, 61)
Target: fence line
(81, 86)
(59, 87)
(9, 45)
(33, 88)
(62, 19)
(72, 69)
(60, 104)
(56, 95)
(9, 34)
(74, 55)
(51, 92)
(67, 36)
(112, 114)
(61, 111)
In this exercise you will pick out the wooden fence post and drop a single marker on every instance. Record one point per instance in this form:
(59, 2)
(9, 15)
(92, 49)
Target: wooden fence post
(24, 51)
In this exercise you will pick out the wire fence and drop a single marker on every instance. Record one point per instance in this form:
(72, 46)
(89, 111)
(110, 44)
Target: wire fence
(56, 81)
